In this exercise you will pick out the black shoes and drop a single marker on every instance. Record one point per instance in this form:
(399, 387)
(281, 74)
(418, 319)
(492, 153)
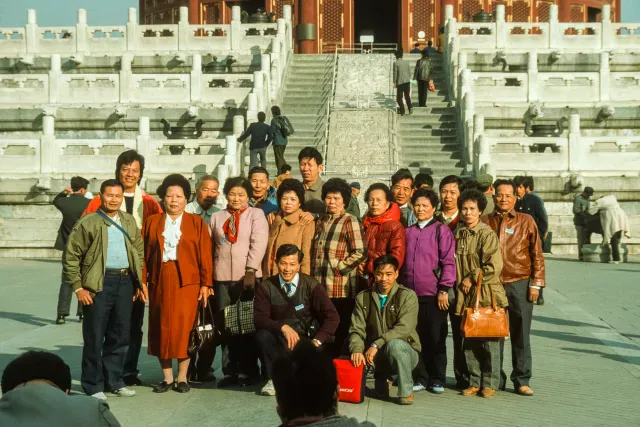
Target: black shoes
(80, 317)
(60, 320)
(163, 387)
(410, 111)
(244, 381)
(181, 387)
(202, 377)
(227, 381)
(131, 380)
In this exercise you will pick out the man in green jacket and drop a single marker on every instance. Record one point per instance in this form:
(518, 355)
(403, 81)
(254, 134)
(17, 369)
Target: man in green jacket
(103, 265)
(384, 323)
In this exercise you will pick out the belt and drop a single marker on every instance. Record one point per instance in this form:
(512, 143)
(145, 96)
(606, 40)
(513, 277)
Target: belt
(117, 271)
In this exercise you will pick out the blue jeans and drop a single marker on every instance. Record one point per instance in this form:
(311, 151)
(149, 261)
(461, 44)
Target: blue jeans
(105, 331)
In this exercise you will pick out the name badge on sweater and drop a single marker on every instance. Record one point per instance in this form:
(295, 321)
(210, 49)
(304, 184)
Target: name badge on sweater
(299, 307)
(509, 231)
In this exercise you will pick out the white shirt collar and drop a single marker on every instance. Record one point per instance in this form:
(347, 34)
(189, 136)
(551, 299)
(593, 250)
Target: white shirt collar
(423, 224)
(450, 218)
(406, 205)
(294, 281)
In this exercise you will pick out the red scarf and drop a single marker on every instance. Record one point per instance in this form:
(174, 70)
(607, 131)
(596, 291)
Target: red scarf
(231, 226)
(392, 214)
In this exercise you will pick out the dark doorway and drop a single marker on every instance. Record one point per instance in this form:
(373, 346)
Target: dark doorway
(593, 14)
(379, 17)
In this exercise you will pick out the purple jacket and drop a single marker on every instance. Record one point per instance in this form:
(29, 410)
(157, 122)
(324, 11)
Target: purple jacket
(424, 255)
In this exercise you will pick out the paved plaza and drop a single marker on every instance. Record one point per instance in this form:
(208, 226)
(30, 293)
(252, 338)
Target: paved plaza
(586, 349)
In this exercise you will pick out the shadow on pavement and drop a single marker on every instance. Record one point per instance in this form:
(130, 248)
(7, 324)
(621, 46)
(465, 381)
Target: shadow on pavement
(571, 337)
(631, 359)
(26, 318)
(563, 322)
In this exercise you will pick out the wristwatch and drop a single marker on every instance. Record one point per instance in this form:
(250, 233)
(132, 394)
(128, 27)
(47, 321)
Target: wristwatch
(443, 292)
(374, 345)
(318, 342)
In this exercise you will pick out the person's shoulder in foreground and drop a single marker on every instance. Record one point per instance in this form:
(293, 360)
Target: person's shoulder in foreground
(342, 421)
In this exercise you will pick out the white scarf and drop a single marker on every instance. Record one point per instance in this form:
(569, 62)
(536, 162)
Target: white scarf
(138, 206)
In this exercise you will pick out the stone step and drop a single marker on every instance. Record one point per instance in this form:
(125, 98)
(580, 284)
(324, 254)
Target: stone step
(311, 80)
(310, 93)
(415, 118)
(418, 131)
(307, 109)
(433, 163)
(432, 142)
(436, 172)
(417, 153)
(308, 132)
(442, 109)
(311, 71)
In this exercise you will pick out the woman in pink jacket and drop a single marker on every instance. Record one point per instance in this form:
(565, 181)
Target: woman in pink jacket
(240, 234)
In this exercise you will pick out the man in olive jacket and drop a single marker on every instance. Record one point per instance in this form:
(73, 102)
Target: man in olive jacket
(422, 74)
(384, 320)
(103, 265)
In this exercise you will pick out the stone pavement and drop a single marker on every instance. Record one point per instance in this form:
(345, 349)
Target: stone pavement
(586, 349)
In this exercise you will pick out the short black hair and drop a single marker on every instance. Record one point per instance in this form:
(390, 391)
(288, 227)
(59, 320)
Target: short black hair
(483, 188)
(380, 186)
(422, 179)
(475, 195)
(289, 249)
(429, 43)
(451, 179)
(288, 185)
(416, 45)
(310, 153)
(79, 183)
(128, 157)
(425, 53)
(527, 181)
(275, 110)
(518, 180)
(401, 174)
(110, 183)
(174, 180)
(262, 116)
(36, 365)
(238, 181)
(337, 185)
(285, 168)
(428, 193)
(258, 169)
(471, 184)
(205, 178)
(306, 383)
(500, 182)
(386, 260)
(399, 54)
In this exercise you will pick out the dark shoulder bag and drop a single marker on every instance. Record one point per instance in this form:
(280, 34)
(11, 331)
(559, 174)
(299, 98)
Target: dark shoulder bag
(115, 224)
(310, 330)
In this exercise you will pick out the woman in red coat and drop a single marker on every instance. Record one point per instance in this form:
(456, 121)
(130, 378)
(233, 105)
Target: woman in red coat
(384, 234)
(178, 271)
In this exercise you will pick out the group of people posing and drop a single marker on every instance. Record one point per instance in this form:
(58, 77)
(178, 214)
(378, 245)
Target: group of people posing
(379, 289)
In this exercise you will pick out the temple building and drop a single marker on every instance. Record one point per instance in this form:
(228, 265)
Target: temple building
(323, 24)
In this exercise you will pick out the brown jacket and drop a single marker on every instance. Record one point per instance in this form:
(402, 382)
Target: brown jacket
(520, 245)
(288, 230)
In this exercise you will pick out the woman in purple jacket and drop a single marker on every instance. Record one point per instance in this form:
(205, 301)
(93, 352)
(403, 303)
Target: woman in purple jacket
(430, 270)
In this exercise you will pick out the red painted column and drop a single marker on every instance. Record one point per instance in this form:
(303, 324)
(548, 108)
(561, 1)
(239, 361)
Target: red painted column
(405, 30)
(194, 12)
(308, 15)
(564, 10)
(347, 29)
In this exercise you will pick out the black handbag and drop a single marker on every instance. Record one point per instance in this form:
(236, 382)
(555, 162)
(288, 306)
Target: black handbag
(203, 332)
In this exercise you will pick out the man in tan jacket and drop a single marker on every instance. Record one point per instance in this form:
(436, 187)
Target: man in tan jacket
(523, 275)
(384, 324)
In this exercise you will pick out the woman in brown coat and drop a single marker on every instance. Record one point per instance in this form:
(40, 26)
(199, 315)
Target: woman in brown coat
(287, 227)
(178, 270)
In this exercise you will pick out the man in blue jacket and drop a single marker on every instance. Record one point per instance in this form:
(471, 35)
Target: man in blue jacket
(261, 136)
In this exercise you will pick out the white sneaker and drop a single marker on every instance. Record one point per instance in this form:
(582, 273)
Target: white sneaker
(268, 389)
(99, 396)
(124, 392)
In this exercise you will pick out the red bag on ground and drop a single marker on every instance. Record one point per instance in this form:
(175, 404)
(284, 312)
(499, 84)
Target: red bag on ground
(351, 380)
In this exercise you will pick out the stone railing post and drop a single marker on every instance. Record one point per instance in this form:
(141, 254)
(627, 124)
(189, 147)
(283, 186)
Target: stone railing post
(556, 36)
(275, 75)
(48, 149)
(281, 37)
(196, 77)
(469, 112)
(605, 76)
(287, 16)
(452, 60)
(82, 32)
(484, 155)
(577, 154)
(126, 77)
(532, 76)
(265, 68)
(235, 30)
(222, 174)
(465, 84)
(252, 108)
(183, 29)
(608, 35)
(231, 155)
(258, 89)
(144, 137)
(55, 75)
(478, 130)
(501, 27)
(132, 29)
(31, 32)
(238, 125)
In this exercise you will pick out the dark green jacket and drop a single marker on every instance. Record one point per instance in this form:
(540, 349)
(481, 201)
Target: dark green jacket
(398, 320)
(423, 69)
(84, 260)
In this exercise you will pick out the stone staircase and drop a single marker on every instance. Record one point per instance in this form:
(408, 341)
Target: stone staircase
(427, 139)
(306, 94)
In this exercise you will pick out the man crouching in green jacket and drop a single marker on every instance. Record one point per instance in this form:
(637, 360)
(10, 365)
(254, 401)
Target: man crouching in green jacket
(385, 319)
(103, 265)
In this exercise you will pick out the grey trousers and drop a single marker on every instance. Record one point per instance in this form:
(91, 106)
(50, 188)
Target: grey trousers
(397, 357)
(584, 237)
(253, 158)
(483, 361)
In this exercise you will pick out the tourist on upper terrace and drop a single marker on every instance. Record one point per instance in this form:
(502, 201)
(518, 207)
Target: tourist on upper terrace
(261, 136)
(383, 331)
(35, 392)
(337, 250)
(306, 386)
(441, 41)
(430, 49)
(264, 195)
(416, 48)
(354, 206)
(422, 74)
(423, 180)
(485, 184)
(402, 82)
(204, 204)
(240, 234)
(178, 267)
(614, 222)
(103, 265)
(580, 218)
(71, 202)
(291, 307)
(281, 128)
(311, 166)
(430, 271)
(523, 275)
(478, 252)
(285, 173)
(384, 234)
(288, 228)
(129, 172)
(402, 187)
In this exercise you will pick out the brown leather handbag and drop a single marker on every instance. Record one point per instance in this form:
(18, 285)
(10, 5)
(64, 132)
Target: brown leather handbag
(484, 322)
